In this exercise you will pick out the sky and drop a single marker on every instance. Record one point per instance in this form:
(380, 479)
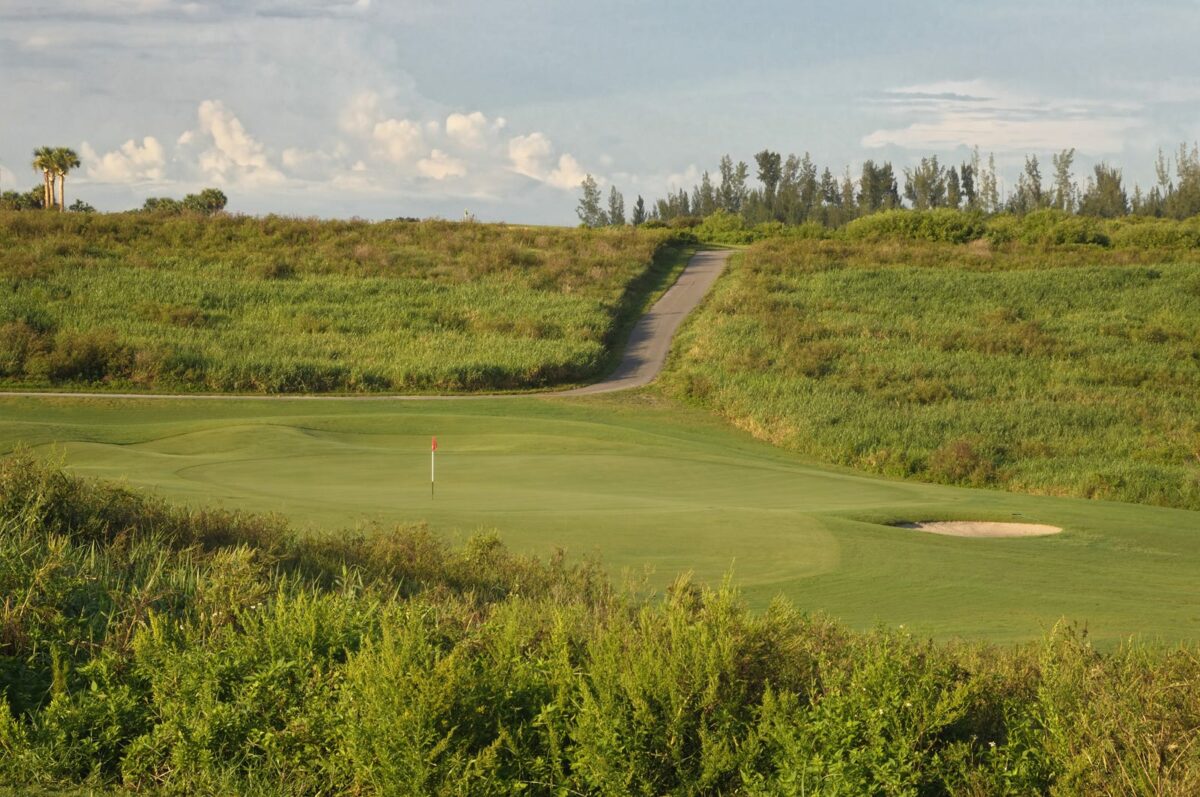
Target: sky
(498, 108)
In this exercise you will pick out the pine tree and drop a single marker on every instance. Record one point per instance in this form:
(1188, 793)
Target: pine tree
(925, 186)
(810, 189)
(967, 179)
(953, 189)
(616, 207)
(831, 193)
(639, 212)
(725, 192)
(770, 171)
(1105, 195)
(788, 198)
(708, 196)
(1183, 200)
(1028, 196)
(870, 193)
(589, 209)
(847, 198)
(1064, 184)
(740, 175)
(989, 188)
(891, 188)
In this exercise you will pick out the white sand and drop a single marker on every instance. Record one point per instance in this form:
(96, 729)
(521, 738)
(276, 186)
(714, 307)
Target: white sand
(972, 528)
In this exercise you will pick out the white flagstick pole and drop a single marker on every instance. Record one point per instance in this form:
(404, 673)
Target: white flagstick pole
(432, 466)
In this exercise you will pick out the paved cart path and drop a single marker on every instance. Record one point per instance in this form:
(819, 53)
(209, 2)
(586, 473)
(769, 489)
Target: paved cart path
(645, 353)
(650, 341)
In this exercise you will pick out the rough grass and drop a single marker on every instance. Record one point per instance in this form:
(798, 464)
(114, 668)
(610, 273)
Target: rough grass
(236, 304)
(1059, 370)
(164, 650)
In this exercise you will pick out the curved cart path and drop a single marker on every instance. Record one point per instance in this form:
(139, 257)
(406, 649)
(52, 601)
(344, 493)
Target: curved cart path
(645, 352)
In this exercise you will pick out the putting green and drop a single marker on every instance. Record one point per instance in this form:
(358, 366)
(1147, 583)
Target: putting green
(646, 483)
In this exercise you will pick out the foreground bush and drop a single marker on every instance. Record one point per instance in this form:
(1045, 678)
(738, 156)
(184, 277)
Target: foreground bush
(201, 652)
(277, 305)
(1067, 370)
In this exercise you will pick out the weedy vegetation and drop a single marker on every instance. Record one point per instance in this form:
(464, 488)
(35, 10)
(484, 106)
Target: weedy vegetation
(235, 304)
(1028, 358)
(192, 651)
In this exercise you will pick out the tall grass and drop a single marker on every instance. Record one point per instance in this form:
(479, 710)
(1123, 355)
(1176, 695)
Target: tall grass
(201, 652)
(137, 301)
(1068, 370)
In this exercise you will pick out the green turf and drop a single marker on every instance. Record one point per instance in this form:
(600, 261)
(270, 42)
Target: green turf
(648, 484)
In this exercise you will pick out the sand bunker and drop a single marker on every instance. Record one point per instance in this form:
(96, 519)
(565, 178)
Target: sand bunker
(973, 528)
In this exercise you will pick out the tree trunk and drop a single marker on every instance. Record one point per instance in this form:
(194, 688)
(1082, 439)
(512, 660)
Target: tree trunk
(53, 181)
(45, 190)
(62, 191)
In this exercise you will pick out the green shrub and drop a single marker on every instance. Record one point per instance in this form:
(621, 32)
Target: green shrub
(85, 357)
(1141, 233)
(727, 228)
(943, 225)
(19, 343)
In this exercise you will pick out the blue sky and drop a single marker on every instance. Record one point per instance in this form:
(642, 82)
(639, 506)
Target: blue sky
(380, 109)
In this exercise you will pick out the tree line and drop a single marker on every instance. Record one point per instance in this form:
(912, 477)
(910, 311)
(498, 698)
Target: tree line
(795, 190)
(55, 163)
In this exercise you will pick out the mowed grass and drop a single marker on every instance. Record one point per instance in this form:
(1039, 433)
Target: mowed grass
(648, 484)
(234, 304)
(1063, 371)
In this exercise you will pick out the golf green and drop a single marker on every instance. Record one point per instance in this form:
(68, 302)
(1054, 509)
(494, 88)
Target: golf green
(649, 486)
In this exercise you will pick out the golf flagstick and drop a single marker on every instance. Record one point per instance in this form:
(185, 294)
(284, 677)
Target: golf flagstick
(432, 465)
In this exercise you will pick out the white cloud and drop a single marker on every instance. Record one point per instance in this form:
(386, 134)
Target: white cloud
(233, 155)
(531, 155)
(131, 163)
(360, 114)
(439, 166)
(370, 151)
(568, 173)
(471, 130)
(528, 154)
(398, 140)
(313, 164)
(948, 114)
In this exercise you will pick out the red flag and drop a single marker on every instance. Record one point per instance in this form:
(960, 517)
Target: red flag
(434, 448)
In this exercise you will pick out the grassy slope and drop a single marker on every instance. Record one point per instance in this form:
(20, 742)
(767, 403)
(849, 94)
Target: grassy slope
(285, 305)
(1062, 371)
(648, 483)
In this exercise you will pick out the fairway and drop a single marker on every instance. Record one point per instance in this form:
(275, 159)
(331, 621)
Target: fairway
(647, 484)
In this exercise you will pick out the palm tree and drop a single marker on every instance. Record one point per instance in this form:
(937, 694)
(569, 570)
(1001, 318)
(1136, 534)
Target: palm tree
(43, 161)
(64, 160)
